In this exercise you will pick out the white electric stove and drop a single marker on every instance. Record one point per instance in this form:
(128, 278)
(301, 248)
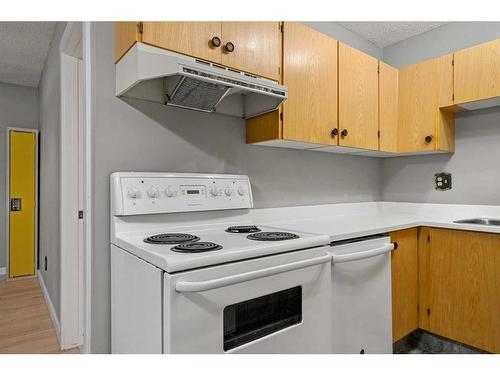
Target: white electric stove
(192, 274)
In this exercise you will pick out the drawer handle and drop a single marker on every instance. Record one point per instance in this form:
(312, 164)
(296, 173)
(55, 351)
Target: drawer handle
(229, 47)
(342, 258)
(215, 41)
(344, 133)
(201, 286)
(335, 132)
(428, 138)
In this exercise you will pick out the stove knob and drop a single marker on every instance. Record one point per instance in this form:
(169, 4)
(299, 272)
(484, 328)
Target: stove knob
(214, 191)
(153, 192)
(228, 191)
(241, 190)
(133, 193)
(170, 192)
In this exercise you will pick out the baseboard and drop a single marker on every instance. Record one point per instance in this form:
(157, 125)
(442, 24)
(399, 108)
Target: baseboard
(52, 311)
(3, 271)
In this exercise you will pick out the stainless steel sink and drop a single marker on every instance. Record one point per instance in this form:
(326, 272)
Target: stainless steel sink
(479, 221)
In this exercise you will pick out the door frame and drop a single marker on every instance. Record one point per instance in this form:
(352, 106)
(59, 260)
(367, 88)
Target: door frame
(7, 196)
(75, 280)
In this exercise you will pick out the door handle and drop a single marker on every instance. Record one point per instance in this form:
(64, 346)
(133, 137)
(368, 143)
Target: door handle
(15, 204)
(363, 254)
(201, 286)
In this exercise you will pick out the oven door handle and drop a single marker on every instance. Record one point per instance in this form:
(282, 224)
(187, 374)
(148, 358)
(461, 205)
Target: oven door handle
(342, 258)
(201, 286)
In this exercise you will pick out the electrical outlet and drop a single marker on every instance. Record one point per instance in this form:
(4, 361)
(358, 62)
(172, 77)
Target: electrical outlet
(45, 263)
(442, 181)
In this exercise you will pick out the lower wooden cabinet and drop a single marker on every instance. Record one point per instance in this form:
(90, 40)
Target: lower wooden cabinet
(404, 283)
(459, 286)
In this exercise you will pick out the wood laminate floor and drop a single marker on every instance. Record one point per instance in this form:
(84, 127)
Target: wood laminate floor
(25, 324)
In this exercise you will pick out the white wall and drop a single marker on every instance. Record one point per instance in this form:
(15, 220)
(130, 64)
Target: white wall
(474, 165)
(142, 136)
(18, 108)
(50, 130)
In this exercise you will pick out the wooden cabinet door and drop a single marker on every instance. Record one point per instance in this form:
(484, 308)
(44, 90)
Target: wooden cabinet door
(388, 108)
(477, 72)
(358, 98)
(189, 38)
(257, 47)
(404, 283)
(460, 279)
(310, 73)
(423, 89)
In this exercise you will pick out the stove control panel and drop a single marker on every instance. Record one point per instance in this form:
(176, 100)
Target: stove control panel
(134, 193)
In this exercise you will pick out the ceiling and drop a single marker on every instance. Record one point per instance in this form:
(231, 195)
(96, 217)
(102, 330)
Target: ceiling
(384, 34)
(23, 49)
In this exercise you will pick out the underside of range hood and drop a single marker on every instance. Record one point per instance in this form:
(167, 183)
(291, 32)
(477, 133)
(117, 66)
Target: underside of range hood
(154, 74)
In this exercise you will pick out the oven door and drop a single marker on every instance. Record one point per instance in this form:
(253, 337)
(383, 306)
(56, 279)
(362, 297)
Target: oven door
(275, 304)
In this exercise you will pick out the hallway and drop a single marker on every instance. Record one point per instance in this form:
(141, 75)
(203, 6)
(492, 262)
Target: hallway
(25, 324)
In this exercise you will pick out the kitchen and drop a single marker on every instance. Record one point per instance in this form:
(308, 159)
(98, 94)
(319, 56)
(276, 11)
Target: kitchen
(350, 155)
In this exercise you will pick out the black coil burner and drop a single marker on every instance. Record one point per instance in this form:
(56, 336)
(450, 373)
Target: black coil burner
(243, 229)
(171, 238)
(272, 236)
(196, 247)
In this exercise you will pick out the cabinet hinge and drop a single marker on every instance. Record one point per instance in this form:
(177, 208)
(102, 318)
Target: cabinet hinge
(453, 62)
(428, 311)
(378, 134)
(378, 69)
(140, 27)
(428, 238)
(80, 214)
(281, 27)
(281, 116)
(418, 308)
(453, 97)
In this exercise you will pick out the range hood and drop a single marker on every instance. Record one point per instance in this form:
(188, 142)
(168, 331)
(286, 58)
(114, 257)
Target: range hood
(154, 74)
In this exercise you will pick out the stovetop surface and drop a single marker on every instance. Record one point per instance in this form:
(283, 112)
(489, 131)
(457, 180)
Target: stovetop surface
(234, 246)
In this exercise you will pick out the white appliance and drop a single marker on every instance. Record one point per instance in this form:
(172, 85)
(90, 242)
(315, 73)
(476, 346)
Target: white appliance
(361, 296)
(190, 273)
(154, 74)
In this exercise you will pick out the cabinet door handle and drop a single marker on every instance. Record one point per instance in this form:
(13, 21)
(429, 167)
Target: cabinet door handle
(344, 133)
(428, 138)
(229, 47)
(215, 41)
(335, 132)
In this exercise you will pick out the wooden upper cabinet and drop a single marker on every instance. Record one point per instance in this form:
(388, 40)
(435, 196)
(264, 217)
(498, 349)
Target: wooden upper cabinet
(388, 108)
(310, 73)
(358, 99)
(477, 72)
(423, 89)
(189, 38)
(404, 266)
(257, 47)
(310, 113)
(459, 286)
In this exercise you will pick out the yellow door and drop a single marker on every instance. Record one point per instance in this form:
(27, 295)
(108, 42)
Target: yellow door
(22, 203)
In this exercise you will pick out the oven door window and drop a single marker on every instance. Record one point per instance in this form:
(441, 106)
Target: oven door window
(250, 320)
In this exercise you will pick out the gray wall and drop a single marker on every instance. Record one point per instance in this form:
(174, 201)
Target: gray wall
(474, 165)
(148, 137)
(50, 130)
(19, 109)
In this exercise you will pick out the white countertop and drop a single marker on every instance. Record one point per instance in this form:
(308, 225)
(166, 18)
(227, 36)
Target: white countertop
(351, 220)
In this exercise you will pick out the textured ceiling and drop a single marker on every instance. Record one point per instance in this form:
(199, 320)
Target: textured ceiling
(383, 34)
(23, 49)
